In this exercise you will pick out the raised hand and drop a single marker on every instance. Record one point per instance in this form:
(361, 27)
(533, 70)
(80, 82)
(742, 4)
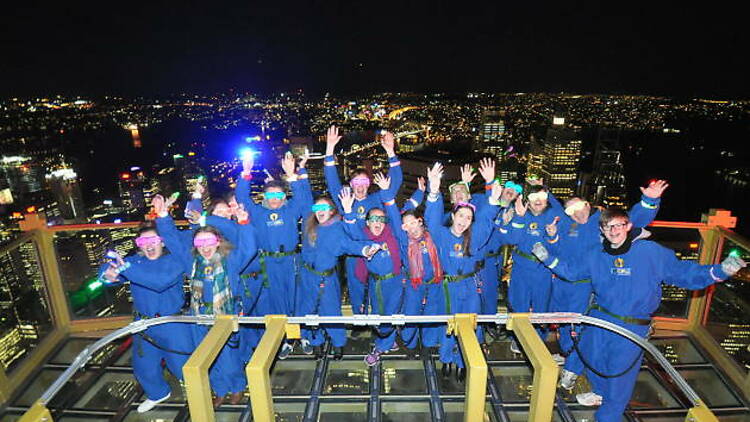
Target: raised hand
(552, 227)
(193, 217)
(159, 205)
(487, 169)
(655, 188)
(347, 199)
(171, 200)
(520, 206)
(497, 190)
(383, 182)
(388, 143)
(287, 164)
(434, 175)
(732, 264)
(332, 138)
(111, 274)
(421, 183)
(304, 158)
(248, 161)
(508, 215)
(241, 213)
(467, 173)
(540, 251)
(371, 250)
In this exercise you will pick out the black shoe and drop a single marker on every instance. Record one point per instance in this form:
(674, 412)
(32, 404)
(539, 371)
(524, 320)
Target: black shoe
(318, 352)
(338, 353)
(460, 374)
(446, 370)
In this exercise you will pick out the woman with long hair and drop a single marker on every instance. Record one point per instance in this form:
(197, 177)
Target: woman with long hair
(213, 266)
(324, 240)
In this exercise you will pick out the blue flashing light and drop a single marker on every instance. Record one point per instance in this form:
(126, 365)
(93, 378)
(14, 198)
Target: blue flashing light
(252, 138)
(247, 153)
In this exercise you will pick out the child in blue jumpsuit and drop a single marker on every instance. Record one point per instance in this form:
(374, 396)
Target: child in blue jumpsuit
(215, 288)
(626, 274)
(324, 240)
(156, 287)
(274, 271)
(459, 254)
(363, 202)
(578, 234)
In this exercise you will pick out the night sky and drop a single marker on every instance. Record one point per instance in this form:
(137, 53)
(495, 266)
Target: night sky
(355, 47)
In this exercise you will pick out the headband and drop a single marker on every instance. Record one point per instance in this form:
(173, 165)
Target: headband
(143, 241)
(538, 195)
(453, 186)
(515, 186)
(206, 241)
(360, 181)
(321, 207)
(274, 195)
(578, 206)
(377, 219)
(464, 204)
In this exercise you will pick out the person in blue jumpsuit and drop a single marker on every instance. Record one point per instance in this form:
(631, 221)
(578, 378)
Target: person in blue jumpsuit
(383, 273)
(156, 287)
(424, 292)
(324, 240)
(531, 282)
(214, 270)
(359, 183)
(460, 246)
(272, 276)
(572, 239)
(626, 274)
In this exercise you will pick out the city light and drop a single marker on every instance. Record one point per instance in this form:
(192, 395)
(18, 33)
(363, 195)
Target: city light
(734, 253)
(247, 153)
(252, 138)
(125, 176)
(95, 285)
(30, 210)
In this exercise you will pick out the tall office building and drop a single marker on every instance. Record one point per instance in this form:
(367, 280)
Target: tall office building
(131, 185)
(67, 191)
(561, 152)
(608, 179)
(492, 132)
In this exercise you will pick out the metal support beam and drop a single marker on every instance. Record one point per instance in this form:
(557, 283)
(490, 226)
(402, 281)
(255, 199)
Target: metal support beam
(476, 367)
(37, 413)
(700, 413)
(258, 369)
(545, 368)
(4, 390)
(195, 371)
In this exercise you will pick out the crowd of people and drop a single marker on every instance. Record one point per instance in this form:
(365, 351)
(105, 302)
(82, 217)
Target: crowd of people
(281, 256)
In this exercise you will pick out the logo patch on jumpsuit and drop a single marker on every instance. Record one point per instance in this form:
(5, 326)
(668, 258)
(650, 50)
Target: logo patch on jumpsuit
(620, 268)
(275, 220)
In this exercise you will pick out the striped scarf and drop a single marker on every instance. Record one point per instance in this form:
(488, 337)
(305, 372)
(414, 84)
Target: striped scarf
(210, 271)
(416, 270)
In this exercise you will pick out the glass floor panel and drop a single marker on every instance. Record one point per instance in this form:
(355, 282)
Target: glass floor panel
(228, 416)
(678, 350)
(514, 382)
(11, 417)
(41, 382)
(293, 376)
(70, 350)
(417, 411)
(77, 418)
(109, 392)
(650, 394)
(342, 412)
(500, 351)
(708, 385)
(289, 412)
(347, 377)
(152, 416)
(178, 394)
(523, 416)
(126, 359)
(454, 412)
(403, 377)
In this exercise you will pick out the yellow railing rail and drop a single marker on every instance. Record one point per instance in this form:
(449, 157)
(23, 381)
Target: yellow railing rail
(476, 367)
(545, 369)
(258, 369)
(195, 370)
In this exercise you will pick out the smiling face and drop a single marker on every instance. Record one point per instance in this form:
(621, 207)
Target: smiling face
(579, 209)
(206, 243)
(152, 249)
(221, 209)
(413, 226)
(508, 196)
(374, 223)
(360, 184)
(538, 202)
(461, 220)
(274, 203)
(616, 230)
(324, 215)
(459, 193)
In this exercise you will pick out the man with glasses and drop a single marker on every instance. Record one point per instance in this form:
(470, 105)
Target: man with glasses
(626, 273)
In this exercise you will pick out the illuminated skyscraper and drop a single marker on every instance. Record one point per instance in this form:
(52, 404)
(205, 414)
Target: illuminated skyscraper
(492, 132)
(608, 180)
(131, 184)
(67, 191)
(135, 135)
(562, 153)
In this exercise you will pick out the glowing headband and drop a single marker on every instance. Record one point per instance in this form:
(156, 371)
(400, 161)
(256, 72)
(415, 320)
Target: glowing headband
(457, 184)
(578, 206)
(542, 195)
(377, 219)
(143, 241)
(274, 195)
(321, 207)
(360, 181)
(205, 241)
(515, 186)
(464, 204)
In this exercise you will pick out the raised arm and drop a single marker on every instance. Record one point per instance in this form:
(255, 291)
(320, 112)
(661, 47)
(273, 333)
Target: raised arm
(391, 210)
(329, 165)
(352, 229)
(693, 276)
(484, 220)
(644, 212)
(242, 190)
(434, 211)
(395, 173)
(564, 268)
(302, 198)
(417, 197)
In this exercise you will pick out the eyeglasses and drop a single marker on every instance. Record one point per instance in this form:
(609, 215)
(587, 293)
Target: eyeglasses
(377, 219)
(610, 227)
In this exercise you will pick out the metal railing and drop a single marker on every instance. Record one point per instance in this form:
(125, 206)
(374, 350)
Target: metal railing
(279, 326)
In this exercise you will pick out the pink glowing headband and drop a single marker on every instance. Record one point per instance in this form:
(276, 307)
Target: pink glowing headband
(205, 241)
(465, 204)
(360, 181)
(143, 241)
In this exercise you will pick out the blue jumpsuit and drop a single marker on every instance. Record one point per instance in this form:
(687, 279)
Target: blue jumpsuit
(385, 287)
(156, 288)
(461, 295)
(320, 290)
(226, 374)
(575, 242)
(427, 298)
(627, 290)
(360, 209)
